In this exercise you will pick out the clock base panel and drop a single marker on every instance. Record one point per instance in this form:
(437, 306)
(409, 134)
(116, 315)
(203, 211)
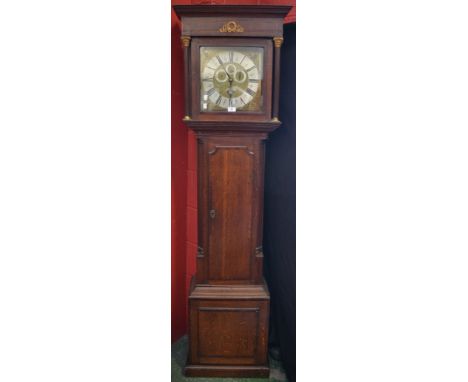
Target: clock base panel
(228, 331)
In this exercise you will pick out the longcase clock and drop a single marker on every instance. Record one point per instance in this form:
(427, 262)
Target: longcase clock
(232, 66)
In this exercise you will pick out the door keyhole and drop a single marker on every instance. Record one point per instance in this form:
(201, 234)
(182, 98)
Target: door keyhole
(212, 214)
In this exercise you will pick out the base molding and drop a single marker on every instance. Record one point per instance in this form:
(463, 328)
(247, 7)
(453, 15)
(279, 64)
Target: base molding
(228, 292)
(227, 371)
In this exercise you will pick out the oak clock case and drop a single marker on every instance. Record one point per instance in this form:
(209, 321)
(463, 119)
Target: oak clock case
(231, 64)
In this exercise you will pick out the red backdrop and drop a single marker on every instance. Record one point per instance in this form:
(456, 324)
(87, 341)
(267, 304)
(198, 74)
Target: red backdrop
(183, 172)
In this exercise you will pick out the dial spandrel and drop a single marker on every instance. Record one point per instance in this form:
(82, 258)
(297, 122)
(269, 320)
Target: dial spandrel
(231, 79)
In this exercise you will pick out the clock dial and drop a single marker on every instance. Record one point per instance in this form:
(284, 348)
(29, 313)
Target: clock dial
(231, 79)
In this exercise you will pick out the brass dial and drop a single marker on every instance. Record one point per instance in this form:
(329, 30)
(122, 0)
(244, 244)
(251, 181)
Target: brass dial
(231, 78)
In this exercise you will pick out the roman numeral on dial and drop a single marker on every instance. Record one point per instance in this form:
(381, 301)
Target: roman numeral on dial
(250, 91)
(211, 91)
(220, 61)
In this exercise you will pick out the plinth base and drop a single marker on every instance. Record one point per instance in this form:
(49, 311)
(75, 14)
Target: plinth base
(227, 371)
(228, 331)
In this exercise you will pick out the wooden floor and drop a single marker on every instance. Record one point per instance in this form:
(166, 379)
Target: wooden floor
(179, 356)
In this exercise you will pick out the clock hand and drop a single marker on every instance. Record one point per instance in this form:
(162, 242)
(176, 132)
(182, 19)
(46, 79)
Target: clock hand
(230, 93)
(230, 89)
(225, 71)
